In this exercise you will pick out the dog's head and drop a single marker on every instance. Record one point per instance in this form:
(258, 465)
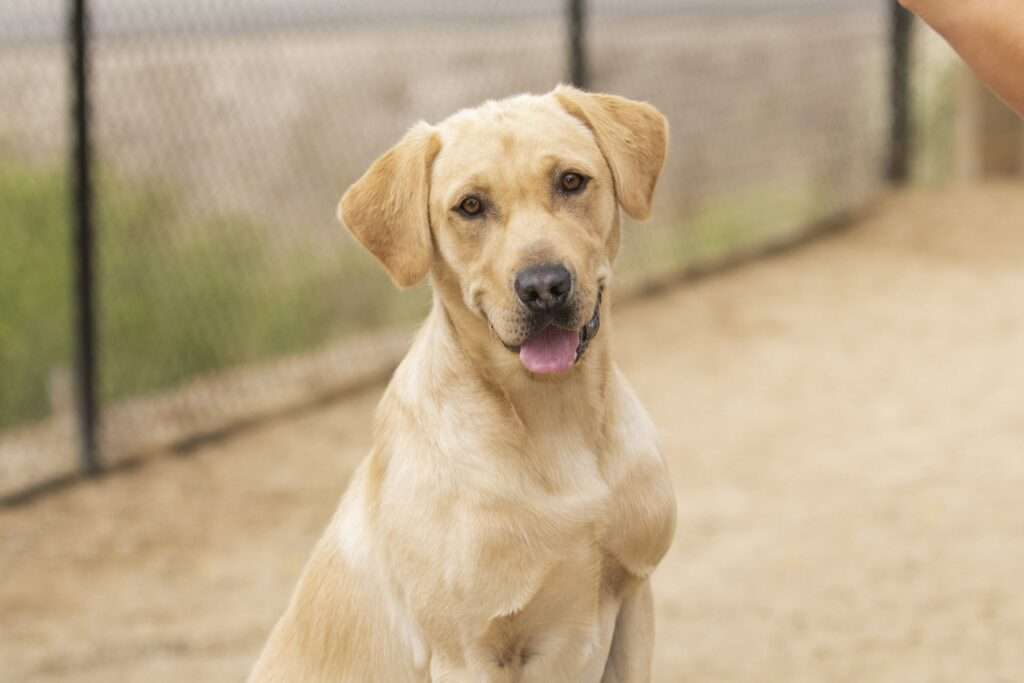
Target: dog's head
(513, 209)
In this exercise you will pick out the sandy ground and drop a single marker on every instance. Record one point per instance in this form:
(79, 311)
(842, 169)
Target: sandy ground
(845, 434)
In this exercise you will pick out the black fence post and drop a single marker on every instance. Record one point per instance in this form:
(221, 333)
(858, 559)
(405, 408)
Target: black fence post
(900, 131)
(578, 75)
(83, 242)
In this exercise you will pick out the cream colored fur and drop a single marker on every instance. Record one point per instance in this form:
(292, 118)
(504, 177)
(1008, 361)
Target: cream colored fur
(504, 526)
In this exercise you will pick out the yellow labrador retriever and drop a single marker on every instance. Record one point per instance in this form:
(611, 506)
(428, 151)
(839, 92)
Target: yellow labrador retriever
(506, 523)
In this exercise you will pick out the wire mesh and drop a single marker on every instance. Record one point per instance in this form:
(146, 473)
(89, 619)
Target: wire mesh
(35, 250)
(226, 132)
(778, 120)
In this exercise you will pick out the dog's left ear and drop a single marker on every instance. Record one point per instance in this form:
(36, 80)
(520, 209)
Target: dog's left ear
(633, 136)
(387, 209)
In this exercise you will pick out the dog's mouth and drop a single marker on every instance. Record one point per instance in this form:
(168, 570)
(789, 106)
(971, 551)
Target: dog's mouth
(554, 349)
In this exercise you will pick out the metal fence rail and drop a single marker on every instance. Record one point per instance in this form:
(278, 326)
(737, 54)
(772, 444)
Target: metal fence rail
(204, 242)
(84, 253)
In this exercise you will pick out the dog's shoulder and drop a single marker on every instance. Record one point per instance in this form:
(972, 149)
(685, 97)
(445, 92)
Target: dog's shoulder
(641, 503)
(334, 627)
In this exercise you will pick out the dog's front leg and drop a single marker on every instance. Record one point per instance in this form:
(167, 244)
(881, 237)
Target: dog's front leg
(629, 659)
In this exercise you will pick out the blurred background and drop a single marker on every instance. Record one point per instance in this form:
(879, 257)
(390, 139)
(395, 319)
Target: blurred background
(173, 282)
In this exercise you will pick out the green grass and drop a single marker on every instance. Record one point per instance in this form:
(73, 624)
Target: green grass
(177, 297)
(35, 285)
(721, 226)
(181, 296)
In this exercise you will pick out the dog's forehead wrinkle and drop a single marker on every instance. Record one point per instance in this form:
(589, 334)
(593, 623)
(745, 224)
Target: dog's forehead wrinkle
(511, 164)
(517, 106)
(509, 123)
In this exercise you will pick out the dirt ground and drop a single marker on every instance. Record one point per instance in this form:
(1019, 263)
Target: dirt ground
(845, 431)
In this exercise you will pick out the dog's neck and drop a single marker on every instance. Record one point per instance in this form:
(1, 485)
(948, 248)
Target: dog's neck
(574, 401)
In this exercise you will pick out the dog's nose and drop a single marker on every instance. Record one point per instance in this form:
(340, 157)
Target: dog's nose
(544, 288)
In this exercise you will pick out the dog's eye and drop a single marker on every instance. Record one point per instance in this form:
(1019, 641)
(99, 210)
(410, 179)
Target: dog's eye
(470, 207)
(571, 183)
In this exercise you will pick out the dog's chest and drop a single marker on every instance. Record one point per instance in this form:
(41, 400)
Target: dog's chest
(529, 544)
(536, 589)
(542, 568)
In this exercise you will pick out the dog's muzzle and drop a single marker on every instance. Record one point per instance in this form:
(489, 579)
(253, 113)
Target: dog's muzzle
(555, 344)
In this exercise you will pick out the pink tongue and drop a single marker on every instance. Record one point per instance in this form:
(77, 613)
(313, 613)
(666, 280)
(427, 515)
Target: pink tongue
(550, 350)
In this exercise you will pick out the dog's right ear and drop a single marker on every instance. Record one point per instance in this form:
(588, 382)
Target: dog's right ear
(387, 209)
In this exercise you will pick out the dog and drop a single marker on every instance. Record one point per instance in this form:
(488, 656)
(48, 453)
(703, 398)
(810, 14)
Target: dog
(514, 504)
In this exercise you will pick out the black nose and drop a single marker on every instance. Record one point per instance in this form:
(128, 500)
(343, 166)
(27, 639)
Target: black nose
(545, 287)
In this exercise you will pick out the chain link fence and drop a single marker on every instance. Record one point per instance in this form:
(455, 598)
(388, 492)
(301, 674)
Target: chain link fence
(223, 135)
